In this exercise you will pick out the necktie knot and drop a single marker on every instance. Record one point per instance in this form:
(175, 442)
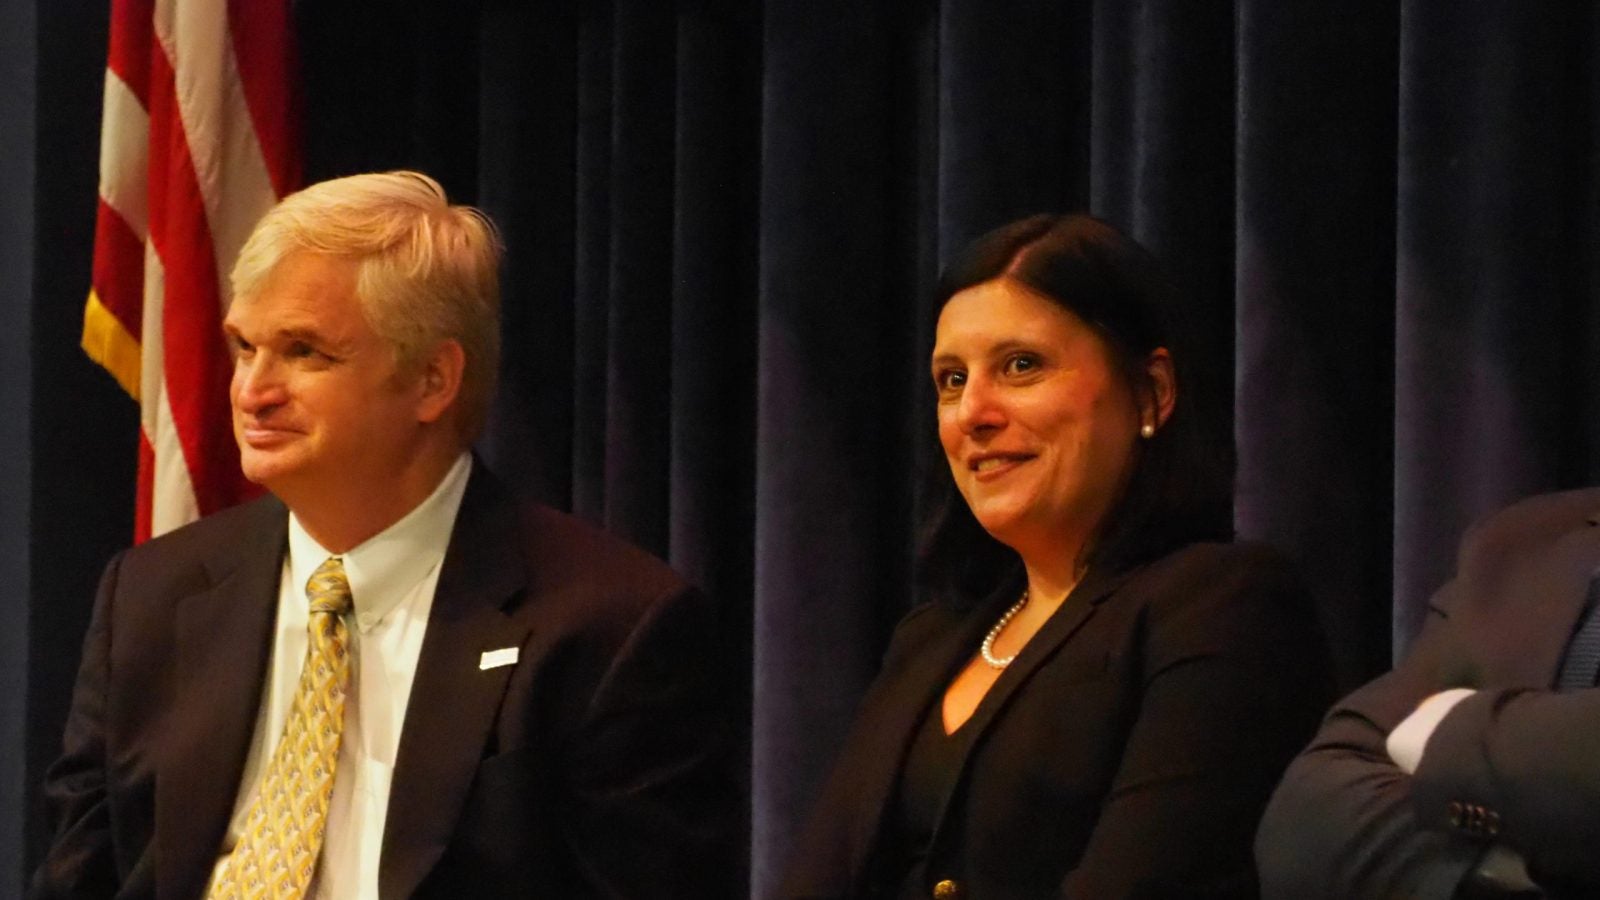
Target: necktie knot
(329, 589)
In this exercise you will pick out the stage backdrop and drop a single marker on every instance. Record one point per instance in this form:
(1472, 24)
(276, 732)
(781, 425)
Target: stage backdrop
(723, 219)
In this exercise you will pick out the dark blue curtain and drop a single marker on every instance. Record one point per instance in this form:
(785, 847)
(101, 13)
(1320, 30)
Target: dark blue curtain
(724, 219)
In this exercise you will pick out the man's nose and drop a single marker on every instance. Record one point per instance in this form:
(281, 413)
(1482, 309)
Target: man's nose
(258, 383)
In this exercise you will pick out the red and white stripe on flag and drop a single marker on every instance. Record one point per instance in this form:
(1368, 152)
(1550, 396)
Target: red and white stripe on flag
(199, 138)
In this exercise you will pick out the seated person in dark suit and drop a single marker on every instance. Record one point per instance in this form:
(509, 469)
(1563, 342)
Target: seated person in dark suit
(1473, 768)
(388, 678)
(1102, 691)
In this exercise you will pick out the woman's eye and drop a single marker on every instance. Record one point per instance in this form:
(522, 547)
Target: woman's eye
(950, 379)
(1021, 363)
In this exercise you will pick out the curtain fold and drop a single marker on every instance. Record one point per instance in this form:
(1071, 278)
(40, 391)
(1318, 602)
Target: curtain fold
(832, 340)
(1495, 158)
(1162, 159)
(1314, 269)
(528, 154)
(1014, 102)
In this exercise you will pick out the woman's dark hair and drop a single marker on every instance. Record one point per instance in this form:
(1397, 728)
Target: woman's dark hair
(1181, 486)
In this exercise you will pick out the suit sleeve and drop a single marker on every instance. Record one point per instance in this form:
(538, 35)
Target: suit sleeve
(1519, 767)
(80, 861)
(1233, 683)
(657, 810)
(1347, 823)
(1341, 824)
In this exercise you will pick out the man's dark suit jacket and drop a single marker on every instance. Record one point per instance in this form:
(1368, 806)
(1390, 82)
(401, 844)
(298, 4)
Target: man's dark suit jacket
(1515, 763)
(1126, 752)
(591, 767)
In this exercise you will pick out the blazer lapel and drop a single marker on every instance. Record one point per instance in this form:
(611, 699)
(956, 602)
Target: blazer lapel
(454, 704)
(890, 717)
(1095, 589)
(223, 637)
(1077, 609)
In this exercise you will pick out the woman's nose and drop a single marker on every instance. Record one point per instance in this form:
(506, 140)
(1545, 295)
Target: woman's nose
(982, 406)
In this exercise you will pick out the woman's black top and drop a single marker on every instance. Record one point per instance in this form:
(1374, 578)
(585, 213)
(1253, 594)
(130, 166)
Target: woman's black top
(926, 777)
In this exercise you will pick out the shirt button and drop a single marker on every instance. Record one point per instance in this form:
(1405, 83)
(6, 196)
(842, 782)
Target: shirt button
(946, 890)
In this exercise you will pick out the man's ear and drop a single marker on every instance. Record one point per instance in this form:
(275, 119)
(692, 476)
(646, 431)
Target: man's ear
(1161, 394)
(439, 381)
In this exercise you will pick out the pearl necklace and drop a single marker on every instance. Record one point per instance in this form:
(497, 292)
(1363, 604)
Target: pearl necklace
(986, 649)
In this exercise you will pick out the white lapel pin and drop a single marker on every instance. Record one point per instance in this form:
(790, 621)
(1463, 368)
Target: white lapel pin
(494, 659)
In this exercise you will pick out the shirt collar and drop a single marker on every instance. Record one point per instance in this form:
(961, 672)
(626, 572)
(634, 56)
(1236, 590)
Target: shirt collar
(385, 567)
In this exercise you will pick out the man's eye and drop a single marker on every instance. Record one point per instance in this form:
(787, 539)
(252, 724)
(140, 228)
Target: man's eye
(299, 350)
(241, 348)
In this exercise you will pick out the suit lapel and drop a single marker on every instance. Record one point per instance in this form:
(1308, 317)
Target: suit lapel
(454, 704)
(1517, 627)
(223, 637)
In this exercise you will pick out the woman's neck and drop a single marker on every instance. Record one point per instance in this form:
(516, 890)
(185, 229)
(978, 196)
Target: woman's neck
(1050, 581)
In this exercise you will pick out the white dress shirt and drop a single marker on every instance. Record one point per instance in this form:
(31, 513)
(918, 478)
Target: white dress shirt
(392, 578)
(1409, 740)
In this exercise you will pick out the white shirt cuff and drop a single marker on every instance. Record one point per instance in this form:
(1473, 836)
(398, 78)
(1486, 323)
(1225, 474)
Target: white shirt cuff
(1410, 737)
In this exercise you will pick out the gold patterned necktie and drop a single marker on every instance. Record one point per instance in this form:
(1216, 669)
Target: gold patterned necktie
(277, 853)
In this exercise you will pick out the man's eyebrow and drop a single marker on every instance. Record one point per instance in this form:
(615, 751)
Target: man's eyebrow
(309, 335)
(293, 333)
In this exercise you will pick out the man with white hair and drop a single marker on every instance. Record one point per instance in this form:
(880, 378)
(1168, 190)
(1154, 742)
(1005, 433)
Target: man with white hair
(387, 678)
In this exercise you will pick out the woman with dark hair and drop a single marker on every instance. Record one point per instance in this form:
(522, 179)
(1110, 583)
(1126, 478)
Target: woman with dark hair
(1101, 691)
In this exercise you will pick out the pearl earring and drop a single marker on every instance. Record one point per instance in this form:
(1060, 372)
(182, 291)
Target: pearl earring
(1147, 431)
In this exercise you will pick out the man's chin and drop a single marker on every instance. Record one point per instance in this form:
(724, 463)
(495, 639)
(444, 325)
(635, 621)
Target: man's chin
(270, 470)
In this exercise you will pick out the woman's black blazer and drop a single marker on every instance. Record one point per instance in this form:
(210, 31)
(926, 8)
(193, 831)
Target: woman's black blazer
(1127, 752)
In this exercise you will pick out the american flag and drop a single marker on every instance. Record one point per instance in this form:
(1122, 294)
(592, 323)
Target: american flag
(199, 137)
